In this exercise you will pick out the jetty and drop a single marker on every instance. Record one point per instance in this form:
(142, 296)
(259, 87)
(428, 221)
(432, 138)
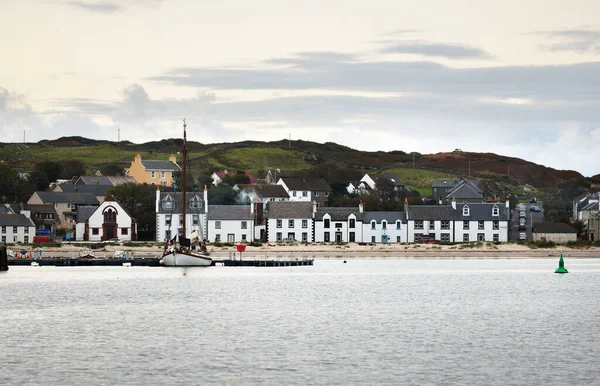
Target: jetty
(154, 262)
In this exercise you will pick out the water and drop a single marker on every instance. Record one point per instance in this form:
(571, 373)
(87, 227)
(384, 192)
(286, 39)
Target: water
(488, 322)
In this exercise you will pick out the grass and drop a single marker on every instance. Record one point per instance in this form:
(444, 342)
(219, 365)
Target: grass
(419, 179)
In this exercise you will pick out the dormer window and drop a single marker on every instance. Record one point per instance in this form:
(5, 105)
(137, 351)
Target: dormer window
(168, 203)
(466, 211)
(195, 203)
(495, 211)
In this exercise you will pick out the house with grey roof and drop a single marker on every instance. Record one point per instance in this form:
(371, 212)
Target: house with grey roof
(586, 206)
(340, 225)
(459, 222)
(441, 188)
(466, 191)
(16, 228)
(369, 183)
(289, 220)
(231, 223)
(169, 214)
(306, 189)
(384, 227)
(44, 216)
(100, 191)
(556, 232)
(107, 221)
(154, 172)
(104, 180)
(65, 204)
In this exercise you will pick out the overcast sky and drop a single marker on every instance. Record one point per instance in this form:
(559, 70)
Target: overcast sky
(516, 78)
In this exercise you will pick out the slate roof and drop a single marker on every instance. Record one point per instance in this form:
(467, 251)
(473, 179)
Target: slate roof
(430, 212)
(337, 213)
(71, 198)
(465, 190)
(309, 184)
(288, 209)
(592, 205)
(230, 212)
(178, 198)
(271, 191)
(40, 208)
(5, 210)
(93, 180)
(480, 211)
(85, 212)
(390, 217)
(18, 220)
(557, 227)
(160, 165)
(96, 190)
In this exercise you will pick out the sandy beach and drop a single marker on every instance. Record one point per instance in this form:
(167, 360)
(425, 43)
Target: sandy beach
(351, 250)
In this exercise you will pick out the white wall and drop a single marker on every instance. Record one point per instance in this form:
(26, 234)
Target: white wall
(343, 229)
(285, 229)
(391, 232)
(231, 227)
(97, 219)
(162, 227)
(9, 235)
(296, 195)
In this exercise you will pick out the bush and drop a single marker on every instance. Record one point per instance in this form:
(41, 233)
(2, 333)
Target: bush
(255, 244)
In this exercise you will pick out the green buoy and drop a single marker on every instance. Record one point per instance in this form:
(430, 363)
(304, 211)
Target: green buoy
(561, 266)
(344, 261)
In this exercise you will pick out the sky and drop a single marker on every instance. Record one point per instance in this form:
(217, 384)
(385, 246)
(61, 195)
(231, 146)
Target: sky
(515, 78)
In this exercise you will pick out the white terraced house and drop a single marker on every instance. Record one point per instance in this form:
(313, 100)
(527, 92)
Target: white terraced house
(231, 223)
(338, 225)
(169, 214)
(289, 221)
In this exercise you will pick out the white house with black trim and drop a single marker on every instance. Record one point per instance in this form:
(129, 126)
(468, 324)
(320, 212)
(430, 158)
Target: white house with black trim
(288, 220)
(16, 228)
(169, 214)
(306, 189)
(104, 222)
(340, 225)
(384, 227)
(231, 223)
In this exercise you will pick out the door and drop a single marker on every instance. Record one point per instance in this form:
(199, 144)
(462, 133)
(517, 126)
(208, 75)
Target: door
(338, 237)
(384, 239)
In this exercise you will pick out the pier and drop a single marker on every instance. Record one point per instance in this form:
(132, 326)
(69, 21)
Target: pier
(154, 262)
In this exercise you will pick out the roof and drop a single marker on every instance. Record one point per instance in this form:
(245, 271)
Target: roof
(119, 180)
(393, 178)
(93, 180)
(85, 212)
(430, 212)
(40, 208)
(338, 213)
(313, 184)
(5, 210)
(272, 191)
(18, 220)
(160, 165)
(480, 211)
(70, 198)
(288, 209)
(230, 212)
(390, 217)
(556, 227)
(96, 190)
(465, 190)
(177, 198)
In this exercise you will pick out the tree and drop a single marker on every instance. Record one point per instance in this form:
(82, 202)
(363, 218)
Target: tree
(139, 200)
(222, 195)
(52, 170)
(40, 180)
(73, 168)
(11, 183)
(111, 169)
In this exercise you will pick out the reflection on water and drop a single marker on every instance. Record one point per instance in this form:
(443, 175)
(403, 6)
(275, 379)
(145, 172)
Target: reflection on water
(365, 322)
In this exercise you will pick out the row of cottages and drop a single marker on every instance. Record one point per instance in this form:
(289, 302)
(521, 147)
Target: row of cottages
(369, 182)
(65, 205)
(153, 172)
(104, 222)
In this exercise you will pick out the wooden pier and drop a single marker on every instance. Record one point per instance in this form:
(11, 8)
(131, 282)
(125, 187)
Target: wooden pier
(154, 262)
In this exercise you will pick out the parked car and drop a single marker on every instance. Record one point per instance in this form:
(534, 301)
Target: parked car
(114, 240)
(427, 239)
(533, 200)
(522, 213)
(535, 208)
(522, 236)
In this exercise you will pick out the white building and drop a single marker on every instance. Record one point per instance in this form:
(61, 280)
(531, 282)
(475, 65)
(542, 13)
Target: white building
(231, 223)
(307, 189)
(169, 214)
(338, 225)
(385, 227)
(287, 221)
(16, 228)
(104, 222)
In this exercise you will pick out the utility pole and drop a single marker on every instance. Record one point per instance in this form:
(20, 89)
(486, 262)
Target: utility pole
(118, 135)
(290, 140)
(24, 135)
(413, 159)
(469, 166)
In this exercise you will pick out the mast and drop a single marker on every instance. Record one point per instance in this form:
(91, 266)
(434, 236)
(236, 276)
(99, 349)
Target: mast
(184, 181)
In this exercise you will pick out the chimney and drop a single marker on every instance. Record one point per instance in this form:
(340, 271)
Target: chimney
(314, 208)
(507, 204)
(251, 207)
(405, 204)
(453, 203)
(173, 158)
(205, 199)
(157, 198)
(360, 207)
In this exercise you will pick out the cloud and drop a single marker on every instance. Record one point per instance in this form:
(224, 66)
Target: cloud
(440, 50)
(107, 6)
(581, 40)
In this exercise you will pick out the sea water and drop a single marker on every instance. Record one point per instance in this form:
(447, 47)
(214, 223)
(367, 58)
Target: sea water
(409, 322)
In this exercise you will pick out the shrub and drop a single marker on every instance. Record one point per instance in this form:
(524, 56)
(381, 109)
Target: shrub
(255, 244)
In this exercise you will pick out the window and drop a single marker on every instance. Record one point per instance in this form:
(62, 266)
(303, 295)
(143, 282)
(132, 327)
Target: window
(167, 203)
(125, 231)
(163, 183)
(445, 224)
(110, 216)
(496, 237)
(291, 236)
(168, 220)
(397, 239)
(293, 193)
(338, 224)
(373, 224)
(279, 224)
(495, 211)
(466, 238)
(162, 174)
(304, 237)
(326, 237)
(465, 225)
(419, 224)
(180, 220)
(352, 223)
(466, 210)
(480, 225)
(384, 224)
(3, 229)
(153, 174)
(304, 193)
(304, 223)
(217, 224)
(244, 224)
(418, 236)
(279, 236)
(243, 237)
(26, 229)
(3, 239)
(195, 219)
(168, 235)
(445, 237)
(351, 237)
(195, 203)
(95, 231)
(372, 239)
(326, 194)
(26, 239)
(326, 223)
(398, 224)
(496, 225)
(431, 224)
(230, 238)
(316, 194)
(290, 223)
(217, 237)
(480, 237)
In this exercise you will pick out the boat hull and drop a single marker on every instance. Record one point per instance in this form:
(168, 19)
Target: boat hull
(179, 259)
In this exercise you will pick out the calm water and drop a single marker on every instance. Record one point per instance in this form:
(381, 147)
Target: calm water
(487, 322)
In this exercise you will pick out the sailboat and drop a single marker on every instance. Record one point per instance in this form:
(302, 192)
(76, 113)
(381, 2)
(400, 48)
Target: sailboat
(186, 252)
